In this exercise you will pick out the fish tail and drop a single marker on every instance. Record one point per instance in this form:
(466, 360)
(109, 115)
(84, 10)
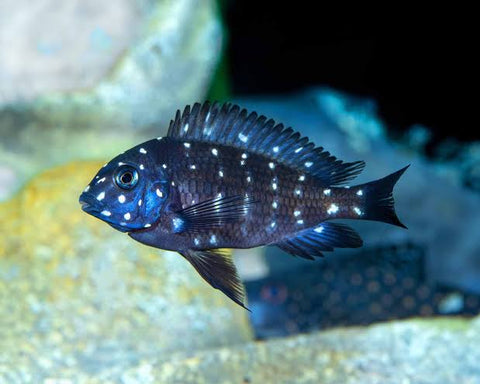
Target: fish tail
(379, 202)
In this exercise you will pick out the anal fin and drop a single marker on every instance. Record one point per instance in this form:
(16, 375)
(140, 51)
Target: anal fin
(324, 237)
(217, 268)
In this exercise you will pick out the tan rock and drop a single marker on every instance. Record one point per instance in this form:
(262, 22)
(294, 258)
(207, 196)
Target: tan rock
(79, 296)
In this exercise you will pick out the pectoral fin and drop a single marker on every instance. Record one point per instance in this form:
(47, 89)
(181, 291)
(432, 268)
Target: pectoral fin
(218, 269)
(214, 213)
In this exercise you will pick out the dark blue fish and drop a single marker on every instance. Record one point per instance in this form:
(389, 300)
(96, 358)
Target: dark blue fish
(224, 178)
(359, 288)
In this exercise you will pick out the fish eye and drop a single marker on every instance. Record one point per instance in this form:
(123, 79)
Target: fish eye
(126, 177)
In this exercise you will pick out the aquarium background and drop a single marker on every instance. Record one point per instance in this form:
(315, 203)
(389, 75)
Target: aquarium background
(81, 81)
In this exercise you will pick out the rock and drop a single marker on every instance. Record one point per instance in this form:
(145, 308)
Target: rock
(61, 46)
(113, 88)
(415, 351)
(79, 297)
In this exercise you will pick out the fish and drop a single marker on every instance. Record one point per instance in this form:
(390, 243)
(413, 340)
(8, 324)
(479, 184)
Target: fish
(372, 285)
(226, 178)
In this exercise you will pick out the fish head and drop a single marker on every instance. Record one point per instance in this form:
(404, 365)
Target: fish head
(130, 191)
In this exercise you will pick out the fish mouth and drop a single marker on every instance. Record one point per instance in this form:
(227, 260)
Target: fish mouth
(89, 203)
(93, 207)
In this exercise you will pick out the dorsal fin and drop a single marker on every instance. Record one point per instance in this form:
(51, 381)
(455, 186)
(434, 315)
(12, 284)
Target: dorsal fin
(228, 124)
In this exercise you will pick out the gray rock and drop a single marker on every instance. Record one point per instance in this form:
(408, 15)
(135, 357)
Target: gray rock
(435, 351)
(113, 101)
(61, 46)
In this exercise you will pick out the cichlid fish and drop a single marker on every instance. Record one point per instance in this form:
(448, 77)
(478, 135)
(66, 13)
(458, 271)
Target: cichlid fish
(226, 178)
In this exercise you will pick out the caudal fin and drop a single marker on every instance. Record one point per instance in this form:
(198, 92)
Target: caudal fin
(379, 203)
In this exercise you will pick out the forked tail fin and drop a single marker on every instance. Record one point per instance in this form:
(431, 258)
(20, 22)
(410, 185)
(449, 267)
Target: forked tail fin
(379, 203)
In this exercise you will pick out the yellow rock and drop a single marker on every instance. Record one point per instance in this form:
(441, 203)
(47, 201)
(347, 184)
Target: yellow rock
(79, 293)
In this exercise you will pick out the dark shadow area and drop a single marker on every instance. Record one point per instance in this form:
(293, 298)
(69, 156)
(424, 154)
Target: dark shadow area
(419, 68)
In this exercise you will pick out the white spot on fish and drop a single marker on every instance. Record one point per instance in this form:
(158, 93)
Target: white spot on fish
(148, 225)
(159, 138)
(319, 229)
(220, 173)
(300, 222)
(121, 199)
(271, 165)
(302, 178)
(249, 179)
(193, 202)
(187, 145)
(359, 192)
(275, 149)
(308, 164)
(120, 163)
(96, 177)
(242, 137)
(87, 188)
(173, 183)
(244, 156)
(208, 116)
(333, 209)
(296, 213)
(142, 167)
(214, 152)
(273, 224)
(196, 241)
(213, 239)
(159, 193)
(177, 223)
(274, 186)
(298, 149)
(185, 129)
(327, 192)
(242, 162)
(122, 223)
(347, 187)
(275, 205)
(140, 202)
(106, 213)
(164, 166)
(127, 216)
(298, 192)
(358, 211)
(219, 195)
(193, 166)
(101, 196)
(142, 150)
(101, 180)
